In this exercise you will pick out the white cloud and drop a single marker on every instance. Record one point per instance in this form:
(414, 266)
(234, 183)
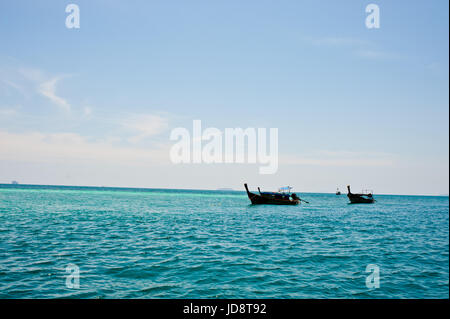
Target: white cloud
(32, 80)
(8, 111)
(12, 84)
(340, 41)
(435, 68)
(145, 126)
(359, 47)
(87, 111)
(71, 147)
(342, 158)
(48, 89)
(373, 54)
(31, 74)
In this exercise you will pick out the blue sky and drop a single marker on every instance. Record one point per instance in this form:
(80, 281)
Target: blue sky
(95, 105)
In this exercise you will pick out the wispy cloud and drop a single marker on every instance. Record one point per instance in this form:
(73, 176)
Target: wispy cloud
(8, 111)
(72, 147)
(374, 54)
(32, 74)
(359, 47)
(48, 89)
(11, 84)
(341, 158)
(145, 126)
(87, 111)
(29, 81)
(339, 41)
(436, 68)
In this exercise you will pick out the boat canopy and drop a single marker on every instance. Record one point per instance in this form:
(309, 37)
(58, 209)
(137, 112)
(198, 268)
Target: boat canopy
(285, 189)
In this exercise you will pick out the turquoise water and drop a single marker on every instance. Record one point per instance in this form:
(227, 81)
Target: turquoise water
(136, 243)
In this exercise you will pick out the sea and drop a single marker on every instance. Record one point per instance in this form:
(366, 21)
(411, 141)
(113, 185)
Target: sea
(97, 242)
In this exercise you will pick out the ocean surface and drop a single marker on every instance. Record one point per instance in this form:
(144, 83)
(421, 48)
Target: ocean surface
(154, 243)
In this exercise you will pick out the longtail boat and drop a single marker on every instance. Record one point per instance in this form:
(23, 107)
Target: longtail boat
(282, 197)
(361, 198)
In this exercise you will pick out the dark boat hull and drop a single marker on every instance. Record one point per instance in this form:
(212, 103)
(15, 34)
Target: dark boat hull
(261, 200)
(357, 199)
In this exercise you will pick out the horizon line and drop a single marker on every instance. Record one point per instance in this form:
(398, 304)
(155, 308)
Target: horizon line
(201, 189)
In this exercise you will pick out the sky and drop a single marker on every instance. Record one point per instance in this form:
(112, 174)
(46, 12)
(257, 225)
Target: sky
(95, 106)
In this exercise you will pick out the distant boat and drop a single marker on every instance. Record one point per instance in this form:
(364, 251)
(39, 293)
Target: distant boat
(14, 182)
(338, 192)
(282, 197)
(361, 198)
